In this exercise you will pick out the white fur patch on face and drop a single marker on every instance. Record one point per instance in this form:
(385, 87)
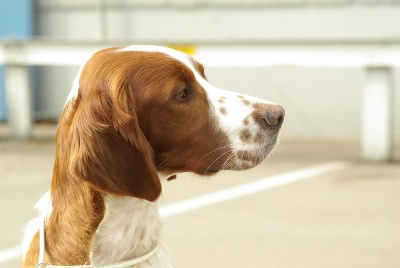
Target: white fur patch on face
(182, 57)
(235, 116)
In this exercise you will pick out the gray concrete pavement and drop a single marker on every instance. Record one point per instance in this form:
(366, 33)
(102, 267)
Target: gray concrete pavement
(346, 218)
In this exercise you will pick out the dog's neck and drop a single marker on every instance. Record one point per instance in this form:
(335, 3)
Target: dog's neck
(85, 226)
(130, 228)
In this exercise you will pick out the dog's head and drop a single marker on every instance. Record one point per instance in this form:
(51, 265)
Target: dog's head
(139, 111)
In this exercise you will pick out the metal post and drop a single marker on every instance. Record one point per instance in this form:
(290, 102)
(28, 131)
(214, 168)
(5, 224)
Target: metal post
(377, 114)
(19, 99)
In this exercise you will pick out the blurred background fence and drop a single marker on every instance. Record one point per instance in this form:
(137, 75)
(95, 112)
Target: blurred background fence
(333, 64)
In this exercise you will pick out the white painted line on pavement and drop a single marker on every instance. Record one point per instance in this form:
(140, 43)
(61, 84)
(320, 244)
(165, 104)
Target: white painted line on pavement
(224, 195)
(250, 188)
(10, 254)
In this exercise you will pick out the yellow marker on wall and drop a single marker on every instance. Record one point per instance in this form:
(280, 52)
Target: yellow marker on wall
(188, 49)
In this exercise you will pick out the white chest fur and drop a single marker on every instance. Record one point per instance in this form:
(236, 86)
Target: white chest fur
(130, 228)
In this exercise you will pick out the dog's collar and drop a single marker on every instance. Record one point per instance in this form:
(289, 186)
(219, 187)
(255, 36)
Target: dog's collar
(121, 264)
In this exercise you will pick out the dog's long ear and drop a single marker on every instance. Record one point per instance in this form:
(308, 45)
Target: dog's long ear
(108, 148)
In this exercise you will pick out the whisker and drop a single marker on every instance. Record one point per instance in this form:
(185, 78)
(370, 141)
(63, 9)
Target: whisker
(222, 147)
(217, 159)
(162, 164)
(225, 164)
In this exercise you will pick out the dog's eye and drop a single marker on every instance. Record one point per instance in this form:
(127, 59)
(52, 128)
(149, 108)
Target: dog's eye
(183, 94)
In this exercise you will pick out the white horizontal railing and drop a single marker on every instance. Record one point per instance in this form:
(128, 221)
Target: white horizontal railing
(377, 57)
(339, 53)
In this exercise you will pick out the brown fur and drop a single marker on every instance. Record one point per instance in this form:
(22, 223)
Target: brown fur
(123, 127)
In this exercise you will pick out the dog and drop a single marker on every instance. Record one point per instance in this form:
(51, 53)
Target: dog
(136, 116)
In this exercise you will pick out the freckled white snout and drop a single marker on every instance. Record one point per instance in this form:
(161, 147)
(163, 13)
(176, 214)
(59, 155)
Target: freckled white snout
(274, 115)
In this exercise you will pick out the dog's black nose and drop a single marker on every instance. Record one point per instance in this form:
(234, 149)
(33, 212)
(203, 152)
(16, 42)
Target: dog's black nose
(274, 116)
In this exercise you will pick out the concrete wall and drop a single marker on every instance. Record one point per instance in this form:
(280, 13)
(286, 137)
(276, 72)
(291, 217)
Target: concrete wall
(320, 102)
